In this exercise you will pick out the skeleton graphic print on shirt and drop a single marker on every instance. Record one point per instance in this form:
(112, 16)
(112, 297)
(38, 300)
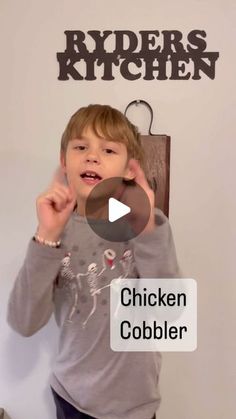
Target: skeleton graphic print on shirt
(91, 278)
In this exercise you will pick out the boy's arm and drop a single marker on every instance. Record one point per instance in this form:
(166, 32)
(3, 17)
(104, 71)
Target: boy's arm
(154, 252)
(154, 249)
(31, 300)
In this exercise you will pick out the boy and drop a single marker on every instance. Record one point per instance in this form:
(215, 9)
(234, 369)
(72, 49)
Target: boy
(68, 269)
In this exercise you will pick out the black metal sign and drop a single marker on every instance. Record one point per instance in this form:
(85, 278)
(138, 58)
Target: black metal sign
(148, 55)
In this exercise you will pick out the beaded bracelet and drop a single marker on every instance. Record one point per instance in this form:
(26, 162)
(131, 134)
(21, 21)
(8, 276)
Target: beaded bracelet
(47, 242)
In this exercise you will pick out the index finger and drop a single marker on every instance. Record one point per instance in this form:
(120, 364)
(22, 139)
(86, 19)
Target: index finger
(59, 177)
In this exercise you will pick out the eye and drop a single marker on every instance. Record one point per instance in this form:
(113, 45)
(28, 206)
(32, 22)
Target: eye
(80, 147)
(110, 151)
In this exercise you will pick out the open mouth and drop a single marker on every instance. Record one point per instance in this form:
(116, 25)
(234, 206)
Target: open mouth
(90, 177)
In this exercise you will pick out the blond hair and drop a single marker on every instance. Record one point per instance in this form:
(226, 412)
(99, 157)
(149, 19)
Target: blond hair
(106, 122)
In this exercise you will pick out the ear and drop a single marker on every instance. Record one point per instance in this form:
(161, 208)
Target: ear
(129, 172)
(63, 162)
(63, 167)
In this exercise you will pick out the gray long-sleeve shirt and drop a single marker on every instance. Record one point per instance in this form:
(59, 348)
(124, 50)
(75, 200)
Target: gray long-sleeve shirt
(73, 282)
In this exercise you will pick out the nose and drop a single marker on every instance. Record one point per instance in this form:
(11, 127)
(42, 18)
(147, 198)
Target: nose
(92, 157)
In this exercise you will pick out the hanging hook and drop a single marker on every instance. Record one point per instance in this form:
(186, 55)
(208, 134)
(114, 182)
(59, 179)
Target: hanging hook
(142, 102)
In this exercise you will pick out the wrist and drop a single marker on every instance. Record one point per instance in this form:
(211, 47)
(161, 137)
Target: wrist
(48, 235)
(150, 227)
(45, 242)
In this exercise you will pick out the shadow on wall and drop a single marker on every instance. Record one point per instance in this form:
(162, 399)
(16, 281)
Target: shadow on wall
(24, 355)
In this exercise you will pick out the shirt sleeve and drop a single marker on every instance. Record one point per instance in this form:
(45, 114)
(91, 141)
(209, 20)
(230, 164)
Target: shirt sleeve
(154, 252)
(30, 303)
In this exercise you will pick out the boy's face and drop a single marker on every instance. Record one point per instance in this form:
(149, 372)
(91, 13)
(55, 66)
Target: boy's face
(91, 159)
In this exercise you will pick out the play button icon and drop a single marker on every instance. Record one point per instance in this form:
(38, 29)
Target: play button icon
(116, 209)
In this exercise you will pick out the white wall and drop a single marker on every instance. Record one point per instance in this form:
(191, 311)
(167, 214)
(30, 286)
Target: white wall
(199, 116)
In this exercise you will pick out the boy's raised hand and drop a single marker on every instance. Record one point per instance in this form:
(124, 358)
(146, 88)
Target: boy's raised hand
(54, 207)
(141, 180)
(130, 196)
